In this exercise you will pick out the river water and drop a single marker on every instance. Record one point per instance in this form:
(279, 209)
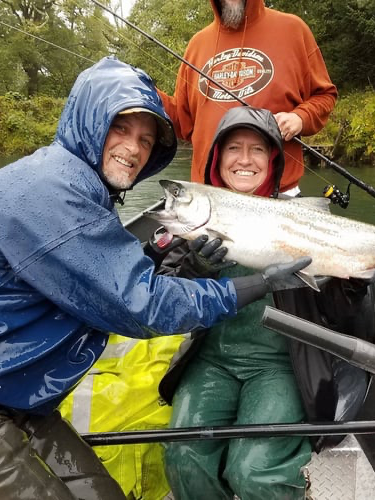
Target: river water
(361, 206)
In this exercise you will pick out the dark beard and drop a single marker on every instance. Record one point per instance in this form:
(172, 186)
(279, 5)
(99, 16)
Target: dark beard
(232, 16)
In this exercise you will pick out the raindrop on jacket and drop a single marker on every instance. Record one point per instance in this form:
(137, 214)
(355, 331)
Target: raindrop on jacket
(69, 271)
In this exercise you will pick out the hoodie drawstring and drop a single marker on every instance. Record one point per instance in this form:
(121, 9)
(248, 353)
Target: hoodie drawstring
(213, 61)
(241, 52)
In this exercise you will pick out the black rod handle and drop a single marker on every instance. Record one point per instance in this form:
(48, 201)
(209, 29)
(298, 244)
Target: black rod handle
(356, 351)
(236, 431)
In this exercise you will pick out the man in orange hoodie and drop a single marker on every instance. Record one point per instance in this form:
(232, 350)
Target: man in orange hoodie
(266, 58)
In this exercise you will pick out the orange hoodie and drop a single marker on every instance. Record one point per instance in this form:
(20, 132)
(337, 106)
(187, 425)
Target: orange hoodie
(272, 61)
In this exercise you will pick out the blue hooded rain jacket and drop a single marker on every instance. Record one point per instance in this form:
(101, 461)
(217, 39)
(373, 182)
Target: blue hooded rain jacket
(69, 271)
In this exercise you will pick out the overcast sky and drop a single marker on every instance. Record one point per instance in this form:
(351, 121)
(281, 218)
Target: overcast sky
(126, 6)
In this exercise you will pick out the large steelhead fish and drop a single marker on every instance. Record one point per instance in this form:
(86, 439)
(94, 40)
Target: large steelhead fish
(261, 231)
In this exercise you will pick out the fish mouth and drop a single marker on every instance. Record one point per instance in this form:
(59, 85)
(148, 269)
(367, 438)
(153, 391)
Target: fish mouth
(160, 213)
(169, 220)
(168, 213)
(165, 212)
(157, 211)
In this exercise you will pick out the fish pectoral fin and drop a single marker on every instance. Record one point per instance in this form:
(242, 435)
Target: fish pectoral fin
(308, 280)
(212, 234)
(317, 203)
(322, 280)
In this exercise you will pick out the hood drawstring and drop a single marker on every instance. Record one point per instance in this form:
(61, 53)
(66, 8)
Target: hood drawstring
(118, 197)
(215, 53)
(241, 52)
(213, 61)
(254, 10)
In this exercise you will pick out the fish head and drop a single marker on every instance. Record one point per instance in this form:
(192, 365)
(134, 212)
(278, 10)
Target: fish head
(185, 209)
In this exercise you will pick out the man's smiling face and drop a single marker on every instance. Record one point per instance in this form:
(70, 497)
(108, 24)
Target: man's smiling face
(127, 148)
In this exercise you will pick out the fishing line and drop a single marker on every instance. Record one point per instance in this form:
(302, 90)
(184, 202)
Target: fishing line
(366, 187)
(170, 51)
(46, 41)
(170, 70)
(233, 432)
(341, 170)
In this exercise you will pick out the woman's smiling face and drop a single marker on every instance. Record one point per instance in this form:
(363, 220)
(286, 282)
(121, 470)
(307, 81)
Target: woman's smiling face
(244, 159)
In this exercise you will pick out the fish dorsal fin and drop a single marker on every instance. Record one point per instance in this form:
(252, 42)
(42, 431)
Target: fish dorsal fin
(317, 203)
(282, 196)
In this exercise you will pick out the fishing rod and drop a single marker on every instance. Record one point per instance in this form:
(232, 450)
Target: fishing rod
(46, 41)
(338, 168)
(172, 52)
(331, 192)
(355, 351)
(234, 432)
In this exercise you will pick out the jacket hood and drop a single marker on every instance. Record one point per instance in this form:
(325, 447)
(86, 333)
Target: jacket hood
(99, 93)
(260, 120)
(254, 8)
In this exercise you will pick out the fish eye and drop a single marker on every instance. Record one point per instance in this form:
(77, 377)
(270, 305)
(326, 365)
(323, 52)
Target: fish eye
(184, 196)
(176, 191)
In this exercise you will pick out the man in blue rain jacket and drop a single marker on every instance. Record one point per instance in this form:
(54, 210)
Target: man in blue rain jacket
(70, 273)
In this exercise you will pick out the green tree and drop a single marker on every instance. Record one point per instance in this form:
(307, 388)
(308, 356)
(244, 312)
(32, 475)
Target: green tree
(46, 69)
(345, 32)
(30, 16)
(12, 75)
(170, 25)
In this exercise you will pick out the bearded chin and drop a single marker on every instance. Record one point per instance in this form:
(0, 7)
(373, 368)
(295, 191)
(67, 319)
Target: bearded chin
(232, 15)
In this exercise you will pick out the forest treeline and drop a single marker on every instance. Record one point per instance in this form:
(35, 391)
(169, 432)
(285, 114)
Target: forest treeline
(45, 44)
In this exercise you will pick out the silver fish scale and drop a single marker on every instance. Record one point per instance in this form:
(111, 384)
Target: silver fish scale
(266, 231)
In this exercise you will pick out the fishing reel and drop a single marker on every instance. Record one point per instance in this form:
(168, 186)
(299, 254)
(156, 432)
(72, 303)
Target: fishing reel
(336, 196)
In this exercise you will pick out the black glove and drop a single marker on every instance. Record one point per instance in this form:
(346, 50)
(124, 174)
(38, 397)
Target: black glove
(160, 244)
(272, 279)
(204, 260)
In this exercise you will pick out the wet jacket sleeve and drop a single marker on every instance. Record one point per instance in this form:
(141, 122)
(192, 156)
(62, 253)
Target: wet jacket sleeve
(102, 277)
(73, 249)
